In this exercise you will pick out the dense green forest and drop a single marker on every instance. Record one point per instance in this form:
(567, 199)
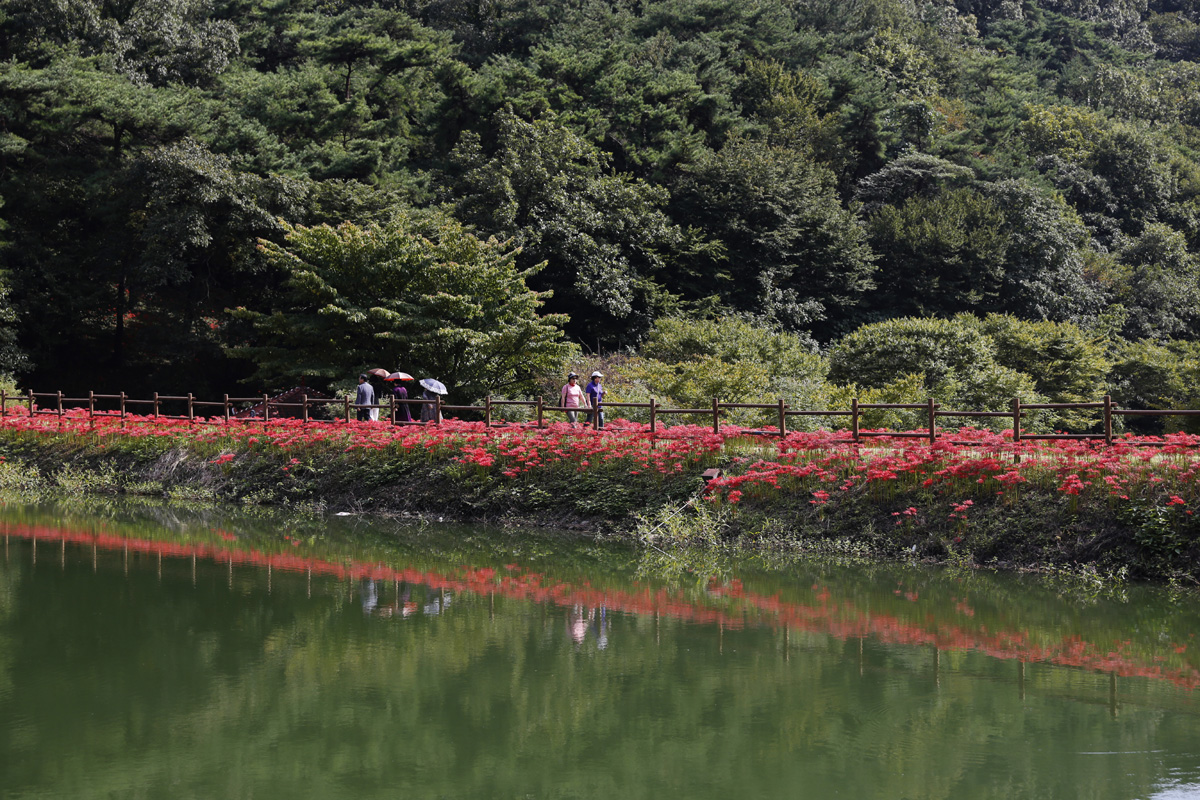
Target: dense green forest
(804, 198)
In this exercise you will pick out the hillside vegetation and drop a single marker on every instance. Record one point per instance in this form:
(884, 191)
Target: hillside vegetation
(756, 198)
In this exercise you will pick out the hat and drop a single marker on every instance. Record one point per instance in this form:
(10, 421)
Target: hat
(572, 375)
(597, 374)
(362, 376)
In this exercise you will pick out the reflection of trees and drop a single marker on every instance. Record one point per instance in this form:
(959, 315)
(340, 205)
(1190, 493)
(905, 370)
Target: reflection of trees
(237, 691)
(9, 577)
(233, 689)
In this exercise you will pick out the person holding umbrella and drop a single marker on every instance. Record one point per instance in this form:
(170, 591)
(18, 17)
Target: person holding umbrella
(399, 395)
(433, 388)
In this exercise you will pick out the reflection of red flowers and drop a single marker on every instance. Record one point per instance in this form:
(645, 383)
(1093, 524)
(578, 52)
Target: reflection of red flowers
(727, 603)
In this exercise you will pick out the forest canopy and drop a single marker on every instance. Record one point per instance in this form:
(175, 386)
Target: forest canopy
(810, 169)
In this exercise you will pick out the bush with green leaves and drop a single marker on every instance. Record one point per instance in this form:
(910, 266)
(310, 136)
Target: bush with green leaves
(686, 362)
(1066, 362)
(1147, 374)
(881, 352)
(956, 361)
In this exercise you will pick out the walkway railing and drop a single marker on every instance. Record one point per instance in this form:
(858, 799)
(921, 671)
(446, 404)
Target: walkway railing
(188, 407)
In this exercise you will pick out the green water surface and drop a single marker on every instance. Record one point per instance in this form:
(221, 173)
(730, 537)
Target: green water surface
(154, 651)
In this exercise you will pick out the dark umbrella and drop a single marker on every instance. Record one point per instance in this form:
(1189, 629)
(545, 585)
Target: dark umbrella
(437, 387)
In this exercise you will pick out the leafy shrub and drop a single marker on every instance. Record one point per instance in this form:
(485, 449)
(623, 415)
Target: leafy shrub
(687, 362)
(1147, 374)
(882, 352)
(1066, 363)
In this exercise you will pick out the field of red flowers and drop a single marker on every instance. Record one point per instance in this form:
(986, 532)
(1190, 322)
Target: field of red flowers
(936, 496)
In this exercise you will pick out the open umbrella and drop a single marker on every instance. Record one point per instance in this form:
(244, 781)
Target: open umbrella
(378, 372)
(437, 387)
(399, 376)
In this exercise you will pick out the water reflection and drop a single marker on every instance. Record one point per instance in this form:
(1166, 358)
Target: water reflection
(940, 621)
(149, 652)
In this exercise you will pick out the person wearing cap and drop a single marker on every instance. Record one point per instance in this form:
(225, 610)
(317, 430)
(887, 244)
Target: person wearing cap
(365, 397)
(595, 394)
(573, 398)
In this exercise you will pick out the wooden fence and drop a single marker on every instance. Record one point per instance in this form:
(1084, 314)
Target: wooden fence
(120, 405)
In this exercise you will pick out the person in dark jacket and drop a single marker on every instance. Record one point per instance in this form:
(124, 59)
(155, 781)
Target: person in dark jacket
(595, 393)
(364, 397)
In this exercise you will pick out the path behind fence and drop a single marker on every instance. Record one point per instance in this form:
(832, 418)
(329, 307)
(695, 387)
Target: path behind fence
(240, 409)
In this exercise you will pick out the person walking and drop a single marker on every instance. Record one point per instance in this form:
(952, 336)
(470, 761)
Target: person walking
(595, 394)
(365, 397)
(399, 393)
(429, 411)
(573, 398)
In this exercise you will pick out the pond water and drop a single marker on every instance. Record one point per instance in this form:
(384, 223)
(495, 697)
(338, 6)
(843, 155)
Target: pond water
(156, 651)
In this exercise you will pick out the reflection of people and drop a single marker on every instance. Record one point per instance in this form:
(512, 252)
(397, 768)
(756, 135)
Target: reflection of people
(370, 596)
(373, 604)
(438, 604)
(365, 397)
(602, 628)
(573, 398)
(577, 624)
(595, 393)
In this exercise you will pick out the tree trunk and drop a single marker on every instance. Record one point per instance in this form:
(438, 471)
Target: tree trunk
(118, 354)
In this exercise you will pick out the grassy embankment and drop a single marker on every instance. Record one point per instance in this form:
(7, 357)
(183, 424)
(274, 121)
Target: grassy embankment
(1121, 510)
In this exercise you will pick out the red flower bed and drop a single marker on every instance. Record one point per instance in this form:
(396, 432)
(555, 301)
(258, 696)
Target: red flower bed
(818, 466)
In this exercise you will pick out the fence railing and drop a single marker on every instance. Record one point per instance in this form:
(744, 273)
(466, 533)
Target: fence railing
(228, 409)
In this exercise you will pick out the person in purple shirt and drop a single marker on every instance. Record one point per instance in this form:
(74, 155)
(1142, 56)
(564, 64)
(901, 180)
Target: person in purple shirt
(595, 393)
(403, 414)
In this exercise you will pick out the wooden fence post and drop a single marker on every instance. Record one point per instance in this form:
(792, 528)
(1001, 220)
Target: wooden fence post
(1108, 436)
(3, 402)
(437, 420)
(60, 406)
(653, 415)
(487, 411)
(156, 405)
(227, 409)
(30, 402)
(716, 416)
(932, 421)
(540, 412)
(266, 408)
(346, 400)
(391, 409)
(1016, 414)
(854, 418)
(191, 408)
(782, 419)
(91, 404)
(123, 396)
